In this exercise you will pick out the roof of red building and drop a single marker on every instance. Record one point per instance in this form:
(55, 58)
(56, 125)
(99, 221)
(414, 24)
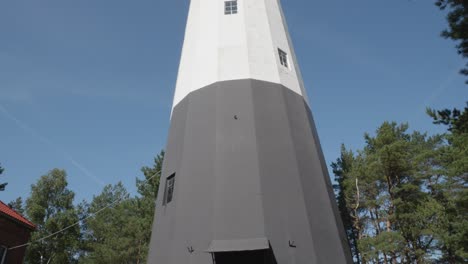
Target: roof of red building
(15, 216)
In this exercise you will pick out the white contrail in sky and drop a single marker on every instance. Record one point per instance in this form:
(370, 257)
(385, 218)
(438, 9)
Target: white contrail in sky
(435, 93)
(439, 90)
(46, 141)
(443, 86)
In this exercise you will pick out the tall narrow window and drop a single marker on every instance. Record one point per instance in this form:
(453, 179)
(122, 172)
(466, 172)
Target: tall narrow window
(283, 56)
(3, 252)
(230, 7)
(169, 190)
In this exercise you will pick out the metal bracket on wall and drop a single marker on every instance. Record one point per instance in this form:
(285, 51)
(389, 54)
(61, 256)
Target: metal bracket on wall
(292, 244)
(190, 250)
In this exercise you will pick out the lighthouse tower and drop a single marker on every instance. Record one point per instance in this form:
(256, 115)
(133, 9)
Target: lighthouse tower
(244, 179)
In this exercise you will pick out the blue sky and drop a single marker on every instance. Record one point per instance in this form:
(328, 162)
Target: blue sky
(87, 85)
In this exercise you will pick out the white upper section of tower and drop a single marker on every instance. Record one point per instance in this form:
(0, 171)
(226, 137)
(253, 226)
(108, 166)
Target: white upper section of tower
(229, 40)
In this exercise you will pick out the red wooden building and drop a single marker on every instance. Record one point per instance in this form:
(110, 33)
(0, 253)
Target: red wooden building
(14, 230)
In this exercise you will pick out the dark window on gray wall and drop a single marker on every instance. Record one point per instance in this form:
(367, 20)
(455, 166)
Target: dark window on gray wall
(283, 56)
(230, 7)
(3, 252)
(169, 190)
(265, 256)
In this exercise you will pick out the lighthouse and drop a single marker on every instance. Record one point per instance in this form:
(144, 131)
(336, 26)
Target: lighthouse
(244, 179)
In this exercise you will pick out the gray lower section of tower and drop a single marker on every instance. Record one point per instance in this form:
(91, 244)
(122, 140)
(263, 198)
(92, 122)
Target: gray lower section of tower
(250, 181)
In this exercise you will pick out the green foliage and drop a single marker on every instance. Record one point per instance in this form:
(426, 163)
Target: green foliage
(456, 120)
(404, 196)
(148, 187)
(451, 190)
(122, 232)
(341, 169)
(17, 205)
(373, 248)
(146, 202)
(2, 185)
(384, 190)
(109, 235)
(112, 228)
(457, 19)
(50, 207)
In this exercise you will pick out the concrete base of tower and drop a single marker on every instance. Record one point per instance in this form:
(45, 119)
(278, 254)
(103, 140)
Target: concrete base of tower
(250, 182)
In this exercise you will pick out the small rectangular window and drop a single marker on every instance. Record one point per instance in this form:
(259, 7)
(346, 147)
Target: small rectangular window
(230, 7)
(283, 56)
(169, 190)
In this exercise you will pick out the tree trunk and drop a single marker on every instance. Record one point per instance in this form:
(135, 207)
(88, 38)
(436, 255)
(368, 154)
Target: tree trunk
(139, 252)
(391, 211)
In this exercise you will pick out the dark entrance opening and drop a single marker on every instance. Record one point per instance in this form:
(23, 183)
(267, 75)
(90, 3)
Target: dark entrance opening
(264, 256)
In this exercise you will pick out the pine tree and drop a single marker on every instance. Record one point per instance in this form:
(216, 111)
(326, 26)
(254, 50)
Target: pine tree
(122, 232)
(457, 19)
(382, 188)
(450, 188)
(107, 235)
(349, 216)
(17, 205)
(146, 202)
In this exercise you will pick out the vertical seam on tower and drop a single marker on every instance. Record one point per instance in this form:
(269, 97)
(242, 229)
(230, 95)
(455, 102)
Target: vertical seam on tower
(335, 211)
(277, 70)
(252, 101)
(213, 168)
(246, 39)
(284, 90)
